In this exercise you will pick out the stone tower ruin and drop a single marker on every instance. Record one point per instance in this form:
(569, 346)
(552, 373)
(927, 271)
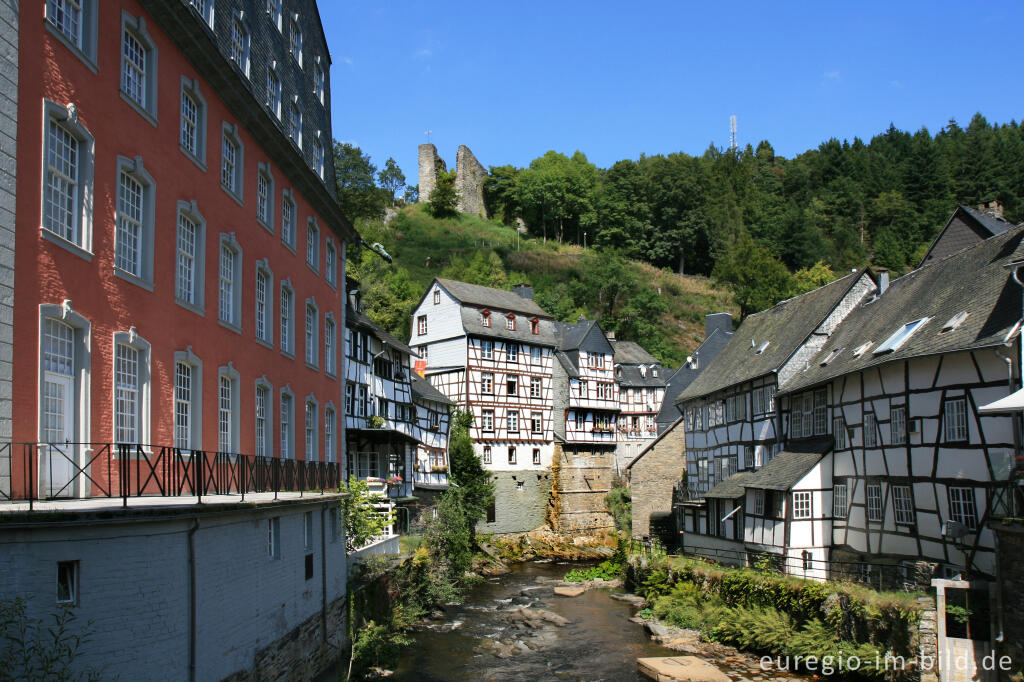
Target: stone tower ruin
(430, 165)
(469, 178)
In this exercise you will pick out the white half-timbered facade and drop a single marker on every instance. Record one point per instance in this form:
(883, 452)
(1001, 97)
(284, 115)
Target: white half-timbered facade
(732, 425)
(433, 420)
(642, 381)
(586, 393)
(379, 412)
(491, 352)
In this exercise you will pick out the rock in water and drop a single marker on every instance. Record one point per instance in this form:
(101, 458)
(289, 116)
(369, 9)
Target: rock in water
(680, 669)
(570, 591)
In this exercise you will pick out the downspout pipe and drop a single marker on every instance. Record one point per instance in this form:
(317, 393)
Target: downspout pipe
(323, 570)
(192, 601)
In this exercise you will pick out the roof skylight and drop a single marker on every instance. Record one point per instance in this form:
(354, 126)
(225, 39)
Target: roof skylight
(900, 337)
(760, 349)
(954, 322)
(861, 349)
(831, 356)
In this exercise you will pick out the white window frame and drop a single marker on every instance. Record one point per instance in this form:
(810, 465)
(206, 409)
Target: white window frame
(293, 123)
(232, 178)
(286, 423)
(874, 503)
(319, 82)
(194, 401)
(197, 137)
(311, 437)
(840, 500)
(330, 263)
(317, 158)
(954, 420)
(758, 503)
(963, 507)
(900, 336)
(487, 383)
(81, 40)
(839, 433)
(330, 345)
(289, 219)
(273, 99)
(311, 336)
(196, 260)
(263, 304)
(204, 8)
(66, 120)
(486, 349)
(421, 325)
(898, 424)
(512, 351)
(536, 387)
(487, 421)
(313, 244)
(512, 421)
(295, 39)
(265, 196)
(802, 505)
(275, 13)
(330, 430)
(902, 504)
(139, 270)
(239, 42)
(143, 384)
(286, 318)
(229, 289)
(263, 418)
(487, 454)
(144, 102)
(228, 376)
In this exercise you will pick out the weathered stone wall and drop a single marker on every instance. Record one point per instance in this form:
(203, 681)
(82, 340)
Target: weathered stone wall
(652, 476)
(430, 164)
(1011, 575)
(469, 182)
(518, 509)
(584, 479)
(8, 134)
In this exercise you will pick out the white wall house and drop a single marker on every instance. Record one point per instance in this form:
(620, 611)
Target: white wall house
(379, 411)
(433, 422)
(641, 381)
(732, 423)
(491, 351)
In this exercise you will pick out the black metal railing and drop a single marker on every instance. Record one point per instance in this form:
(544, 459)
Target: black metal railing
(1006, 499)
(47, 471)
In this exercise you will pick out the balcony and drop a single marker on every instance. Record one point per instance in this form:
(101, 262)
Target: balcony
(435, 478)
(1006, 499)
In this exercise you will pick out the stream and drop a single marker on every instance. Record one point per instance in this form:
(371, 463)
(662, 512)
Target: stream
(489, 637)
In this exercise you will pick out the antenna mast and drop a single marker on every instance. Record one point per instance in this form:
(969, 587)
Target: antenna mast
(732, 132)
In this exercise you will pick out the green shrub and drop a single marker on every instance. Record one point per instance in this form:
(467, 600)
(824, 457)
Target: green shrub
(606, 570)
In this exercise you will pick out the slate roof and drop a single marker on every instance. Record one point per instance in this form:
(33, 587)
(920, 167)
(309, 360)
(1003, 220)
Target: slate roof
(359, 319)
(783, 472)
(472, 324)
(786, 326)
(684, 376)
(973, 280)
(980, 226)
(730, 488)
(678, 423)
(488, 297)
(629, 375)
(993, 224)
(567, 364)
(631, 353)
(422, 389)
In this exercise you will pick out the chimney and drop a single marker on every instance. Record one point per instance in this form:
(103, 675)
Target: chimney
(883, 281)
(610, 336)
(524, 290)
(713, 321)
(993, 208)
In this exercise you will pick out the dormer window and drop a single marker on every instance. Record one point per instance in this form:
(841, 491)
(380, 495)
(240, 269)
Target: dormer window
(535, 326)
(510, 322)
(901, 336)
(485, 318)
(954, 322)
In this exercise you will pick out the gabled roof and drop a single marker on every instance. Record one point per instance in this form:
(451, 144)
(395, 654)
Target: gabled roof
(630, 353)
(684, 376)
(784, 470)
(422, 389)
(630, 375)
(472, 323)
(358, 319)
(488, 297)
(677, 424)
(784, 327)
(949, 241)
(567, 364)
(974, 281)
(730, 488)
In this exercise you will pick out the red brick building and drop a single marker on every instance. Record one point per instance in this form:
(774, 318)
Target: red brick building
(179, 250)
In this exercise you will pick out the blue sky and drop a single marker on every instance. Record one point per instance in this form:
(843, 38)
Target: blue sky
(620, 79)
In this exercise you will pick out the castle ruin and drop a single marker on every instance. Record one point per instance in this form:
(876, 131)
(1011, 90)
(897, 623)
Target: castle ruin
(469, 178)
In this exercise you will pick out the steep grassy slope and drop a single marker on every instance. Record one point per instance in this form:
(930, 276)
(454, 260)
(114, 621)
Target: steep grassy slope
(490, 253)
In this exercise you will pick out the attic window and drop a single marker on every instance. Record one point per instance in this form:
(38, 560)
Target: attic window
(510, 322)
(954, 322)
(535, 326)
(485, 318)
(760, 349)
(437, 296)
(831, 356)
(901, 336)
(654, 372)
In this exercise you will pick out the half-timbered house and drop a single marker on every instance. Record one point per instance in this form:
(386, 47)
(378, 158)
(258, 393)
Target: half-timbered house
(732, 425)
(717, 332)
(491, 351)
(641, 381)
(379, 412)
(433, 414)
(898, 387)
